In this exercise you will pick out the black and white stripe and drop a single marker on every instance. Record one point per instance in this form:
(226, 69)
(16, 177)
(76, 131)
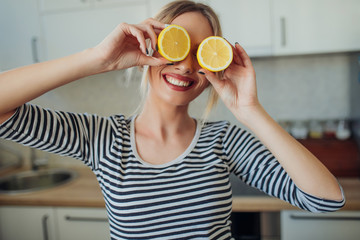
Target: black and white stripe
(187, 198)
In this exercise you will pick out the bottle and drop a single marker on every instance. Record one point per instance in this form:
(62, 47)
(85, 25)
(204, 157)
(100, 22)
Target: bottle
(343, 131)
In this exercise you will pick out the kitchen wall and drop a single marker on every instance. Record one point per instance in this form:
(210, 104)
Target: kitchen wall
(295, 87)
(290, 88)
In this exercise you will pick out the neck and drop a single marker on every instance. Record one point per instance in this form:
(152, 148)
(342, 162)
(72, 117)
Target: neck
(164, 119)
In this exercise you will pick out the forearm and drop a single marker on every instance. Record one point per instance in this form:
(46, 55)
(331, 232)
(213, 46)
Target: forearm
(23, 84)
(307, 172)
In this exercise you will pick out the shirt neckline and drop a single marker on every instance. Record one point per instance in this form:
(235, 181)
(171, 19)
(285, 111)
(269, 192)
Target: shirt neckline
(177, 159)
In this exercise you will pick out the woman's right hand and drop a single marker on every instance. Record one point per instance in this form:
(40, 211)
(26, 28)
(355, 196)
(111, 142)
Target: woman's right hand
(125, 46)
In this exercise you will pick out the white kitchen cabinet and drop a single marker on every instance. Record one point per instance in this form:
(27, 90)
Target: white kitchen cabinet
(247, 22)
(53, 223)
(20, 33)
(30, 223)
(299, 225)
(321, 26)
(69, 32)
(82, 223)
(156, 5)
(71, 5)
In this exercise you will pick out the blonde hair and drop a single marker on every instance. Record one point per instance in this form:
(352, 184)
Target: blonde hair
(166, 15)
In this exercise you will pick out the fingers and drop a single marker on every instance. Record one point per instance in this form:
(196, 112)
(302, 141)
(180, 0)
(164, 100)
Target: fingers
(131, 30)
(236, 58)
(242, 55)
(148, 29)
(152, 28)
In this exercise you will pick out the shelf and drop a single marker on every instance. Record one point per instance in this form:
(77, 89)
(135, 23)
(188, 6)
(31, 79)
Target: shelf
(342, 158)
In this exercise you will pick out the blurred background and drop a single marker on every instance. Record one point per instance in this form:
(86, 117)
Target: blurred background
(306, 54)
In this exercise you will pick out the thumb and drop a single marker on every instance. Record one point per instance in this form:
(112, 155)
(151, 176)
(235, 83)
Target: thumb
(153, 61)
(213, 79)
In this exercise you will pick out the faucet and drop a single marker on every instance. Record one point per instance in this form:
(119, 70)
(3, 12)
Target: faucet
(36, 162)
(19, 160)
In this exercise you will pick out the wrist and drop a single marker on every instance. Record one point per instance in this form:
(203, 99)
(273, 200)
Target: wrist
(94, 63)
(252, 116)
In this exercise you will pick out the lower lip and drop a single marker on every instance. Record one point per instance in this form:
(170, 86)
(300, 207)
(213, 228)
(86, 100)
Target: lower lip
(178, 88)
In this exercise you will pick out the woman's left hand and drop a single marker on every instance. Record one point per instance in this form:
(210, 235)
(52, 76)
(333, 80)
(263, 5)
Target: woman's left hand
(237, 88)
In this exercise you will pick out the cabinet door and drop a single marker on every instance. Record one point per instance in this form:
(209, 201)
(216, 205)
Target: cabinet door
(30, 223)
(82, 223)
(244, 21)
(56, 5)
(156, 5)
(20, 36)
(247, 22)
(73, 31)
(102, 3)
(307, 26)
(299, 225)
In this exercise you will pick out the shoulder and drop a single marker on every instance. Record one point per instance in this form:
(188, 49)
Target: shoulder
(225, 130)
(120, 123)
(214, 129)
(224, 126)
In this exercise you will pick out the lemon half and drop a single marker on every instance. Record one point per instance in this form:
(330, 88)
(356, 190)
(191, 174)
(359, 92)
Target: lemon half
(174, 43)
(214, 54)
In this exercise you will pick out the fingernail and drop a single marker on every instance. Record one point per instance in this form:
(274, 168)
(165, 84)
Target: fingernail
(202, 73)
(237, 43)
(169, 64)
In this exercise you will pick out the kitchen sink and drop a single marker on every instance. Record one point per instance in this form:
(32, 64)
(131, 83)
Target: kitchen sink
(30, 181)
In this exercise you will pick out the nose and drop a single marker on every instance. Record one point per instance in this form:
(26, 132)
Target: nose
(186, 66)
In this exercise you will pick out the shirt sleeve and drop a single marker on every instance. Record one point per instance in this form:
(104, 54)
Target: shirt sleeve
(254, 164)
(67, 134)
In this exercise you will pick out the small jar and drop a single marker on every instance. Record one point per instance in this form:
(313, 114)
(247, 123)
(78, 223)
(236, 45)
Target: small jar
(315, 129)
(330, 129)
(299, 130)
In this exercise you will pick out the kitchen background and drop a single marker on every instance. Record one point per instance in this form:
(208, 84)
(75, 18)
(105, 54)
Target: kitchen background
(306, 54)
(304, 80)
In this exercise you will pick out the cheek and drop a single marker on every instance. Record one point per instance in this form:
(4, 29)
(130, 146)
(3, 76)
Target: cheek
(154, 73)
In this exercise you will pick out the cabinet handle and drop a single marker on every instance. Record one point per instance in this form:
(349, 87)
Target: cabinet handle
(44, 222)
(85, 219)
(34, 49)
(283, 31)
(342, 218)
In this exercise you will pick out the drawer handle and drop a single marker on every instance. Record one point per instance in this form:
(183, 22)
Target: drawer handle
(85, 219)
(34, 49)
(44, 222)
(342, 218)
(283, 31)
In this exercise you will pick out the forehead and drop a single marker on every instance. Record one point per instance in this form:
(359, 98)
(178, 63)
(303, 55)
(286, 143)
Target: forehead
(196, 24)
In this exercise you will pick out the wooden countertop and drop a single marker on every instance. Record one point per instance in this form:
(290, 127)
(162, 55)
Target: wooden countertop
(85, 192)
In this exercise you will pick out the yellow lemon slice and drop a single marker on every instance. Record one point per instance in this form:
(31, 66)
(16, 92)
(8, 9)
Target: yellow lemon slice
(174, 43)
(214, 54)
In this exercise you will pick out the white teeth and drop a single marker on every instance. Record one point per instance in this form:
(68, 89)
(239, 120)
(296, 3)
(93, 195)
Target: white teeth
(177, 82)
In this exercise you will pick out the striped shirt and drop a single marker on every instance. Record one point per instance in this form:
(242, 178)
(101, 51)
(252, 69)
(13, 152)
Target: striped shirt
(187, 198)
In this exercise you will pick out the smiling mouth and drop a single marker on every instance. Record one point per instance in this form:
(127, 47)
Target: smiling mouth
(178, 82)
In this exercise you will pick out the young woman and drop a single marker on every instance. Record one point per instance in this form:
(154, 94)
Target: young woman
(164, 174)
